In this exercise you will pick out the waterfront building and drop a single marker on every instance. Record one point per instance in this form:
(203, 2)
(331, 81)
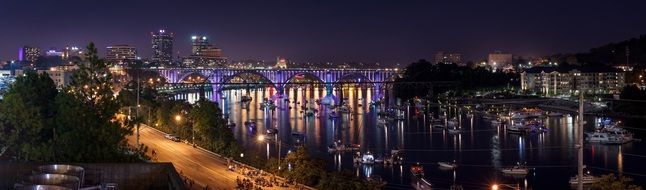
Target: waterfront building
(52, 52)
(557, 81)
(120, 54)
(162, 45)
(448, 58)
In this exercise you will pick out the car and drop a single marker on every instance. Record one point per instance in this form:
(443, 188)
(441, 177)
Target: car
(172, 137)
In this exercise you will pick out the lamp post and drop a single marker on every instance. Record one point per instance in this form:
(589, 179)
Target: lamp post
(178, 118)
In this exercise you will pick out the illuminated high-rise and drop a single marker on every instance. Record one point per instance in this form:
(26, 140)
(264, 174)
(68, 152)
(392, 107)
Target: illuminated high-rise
(120, 54)
(162, 44)
(28, 54)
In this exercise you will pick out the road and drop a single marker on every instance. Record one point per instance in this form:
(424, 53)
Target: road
(201, 166)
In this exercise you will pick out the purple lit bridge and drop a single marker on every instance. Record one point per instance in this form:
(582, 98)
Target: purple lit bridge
(220, 79)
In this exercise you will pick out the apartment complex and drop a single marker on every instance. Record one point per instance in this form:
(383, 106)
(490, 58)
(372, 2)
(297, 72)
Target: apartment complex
(556, 81)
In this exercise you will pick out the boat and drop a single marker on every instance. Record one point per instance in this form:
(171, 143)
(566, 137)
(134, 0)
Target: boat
(495, 122)
(607, 138)
(309, 112)
(395, 151)
(454, 131)
(518, 169)
(368, 158)
(338, 147)
(437, 125)
(382, 122)
(417, 169)
(246, 99)
(333, 115)
(250, 124)
(448, 165)
(231, 124)
(517, 128)
(272, 131)
(587, 179)
(344, 109)
(394, 159)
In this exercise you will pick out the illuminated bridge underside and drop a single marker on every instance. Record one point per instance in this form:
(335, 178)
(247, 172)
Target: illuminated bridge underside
(279, 78)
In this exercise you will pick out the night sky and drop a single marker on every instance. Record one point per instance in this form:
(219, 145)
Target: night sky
(398, 31)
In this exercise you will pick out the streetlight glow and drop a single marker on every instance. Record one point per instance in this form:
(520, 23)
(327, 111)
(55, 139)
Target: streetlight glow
(494, 187)
(261, 138)
(178, 118)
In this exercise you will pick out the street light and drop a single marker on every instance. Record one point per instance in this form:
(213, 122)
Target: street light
(178, 118)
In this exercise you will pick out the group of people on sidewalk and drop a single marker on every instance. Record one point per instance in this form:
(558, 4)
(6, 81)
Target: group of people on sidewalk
(255, 179)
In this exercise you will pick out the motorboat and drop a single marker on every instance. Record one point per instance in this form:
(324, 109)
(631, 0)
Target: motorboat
(382, 122)
(586, 179)
(333, 115)
(417, 169)
(495, 122)
(517, 128)
(272, 131)
(394, 159)
(454, 131)
(246, 99)
(309, 112)
(448, 165)
(437, 125)
(395, 151)
(518, 169)
(368, 158)
(338, 147)
(231, 124)
(606, 138)
(344, 109)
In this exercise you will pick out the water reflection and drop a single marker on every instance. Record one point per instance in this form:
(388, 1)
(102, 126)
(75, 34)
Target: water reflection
(481, 149)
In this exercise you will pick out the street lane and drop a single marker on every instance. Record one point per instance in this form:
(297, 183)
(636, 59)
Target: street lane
(203, 167)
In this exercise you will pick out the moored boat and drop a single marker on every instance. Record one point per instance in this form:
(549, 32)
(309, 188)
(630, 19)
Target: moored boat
(518, 169)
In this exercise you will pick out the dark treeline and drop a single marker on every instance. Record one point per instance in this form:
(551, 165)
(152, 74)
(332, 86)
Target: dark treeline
(463, 79)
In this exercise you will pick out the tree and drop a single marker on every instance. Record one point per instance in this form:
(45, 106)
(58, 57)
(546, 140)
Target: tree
(85, 124)
(304, 169)
(611, 182)
(26, 116)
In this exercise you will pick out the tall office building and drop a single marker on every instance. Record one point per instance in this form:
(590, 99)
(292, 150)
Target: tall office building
(204, 54)
(162, 43)
(120, 54)
(28, 54)
(448, 58)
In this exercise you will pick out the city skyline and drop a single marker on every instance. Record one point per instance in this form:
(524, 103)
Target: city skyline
(335, 31)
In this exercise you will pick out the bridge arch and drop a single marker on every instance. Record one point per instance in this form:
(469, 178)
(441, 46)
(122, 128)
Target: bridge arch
(194, 77)
(262, 79)
(300, 76)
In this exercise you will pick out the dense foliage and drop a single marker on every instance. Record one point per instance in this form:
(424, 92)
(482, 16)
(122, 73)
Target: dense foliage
(300, 167)
(612, 182)
(76, 124)
(419, 77)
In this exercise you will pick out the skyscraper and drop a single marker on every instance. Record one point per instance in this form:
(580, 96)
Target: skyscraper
(204, 54)
(120, 54)
(162, 43)
(28, 54)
